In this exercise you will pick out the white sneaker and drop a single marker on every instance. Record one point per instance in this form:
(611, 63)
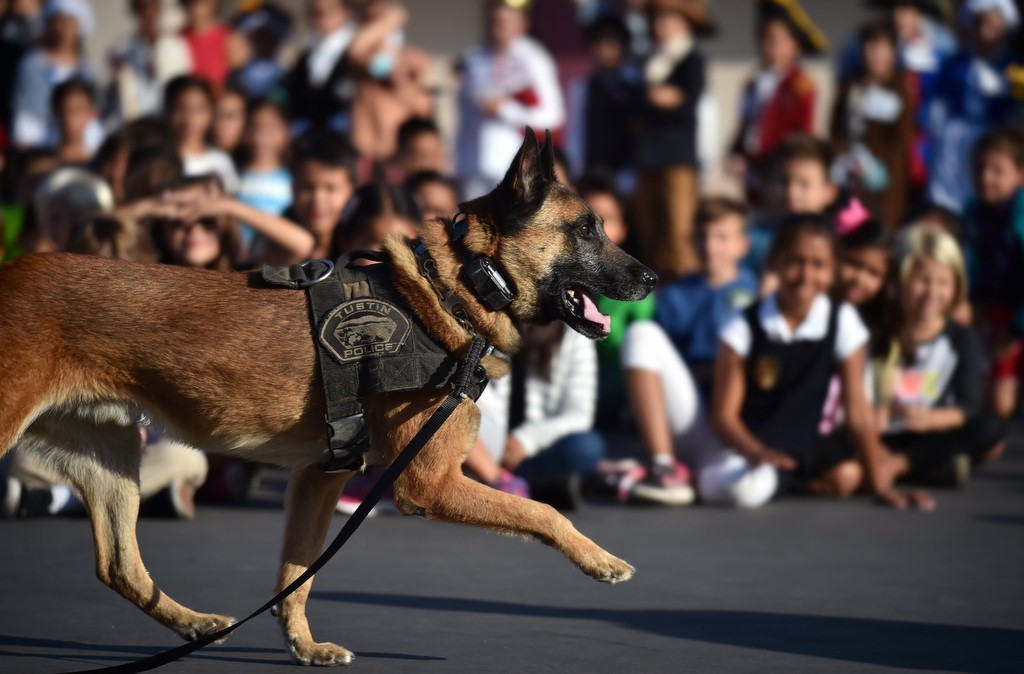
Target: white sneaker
(12, 498)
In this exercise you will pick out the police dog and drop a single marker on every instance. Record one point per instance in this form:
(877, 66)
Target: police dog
(228, 364)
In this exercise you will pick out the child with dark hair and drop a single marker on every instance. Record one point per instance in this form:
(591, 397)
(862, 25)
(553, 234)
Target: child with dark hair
(864, 283)
(74, 109)
(111, 160)
(420, 147)
(772, 373)
(801, 182)
(864, 272)
(266, 183)
(873, 126)
(435, 195)
(188, 109)
(230, 116)
(323, 180)
(377, 211)
(994, 236)
(669, 360)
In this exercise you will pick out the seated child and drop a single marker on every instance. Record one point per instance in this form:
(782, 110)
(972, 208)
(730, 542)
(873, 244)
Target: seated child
(435, 194)
(74, 108)
(772, 372)
(668, 361)
(266, 183)
(380, 209)
(189, 109)
(802, 184)
(323, 181)
(601, 195)
(929, 402)
(536, 424)
(994, 235)
(420, 148)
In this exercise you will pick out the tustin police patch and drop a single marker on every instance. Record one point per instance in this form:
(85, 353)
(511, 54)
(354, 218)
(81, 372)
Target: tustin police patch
(363, 329)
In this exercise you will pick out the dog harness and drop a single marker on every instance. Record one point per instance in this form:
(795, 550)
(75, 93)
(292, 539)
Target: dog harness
(367, 341)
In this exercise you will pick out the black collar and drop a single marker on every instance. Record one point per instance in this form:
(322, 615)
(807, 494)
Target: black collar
(487, 279)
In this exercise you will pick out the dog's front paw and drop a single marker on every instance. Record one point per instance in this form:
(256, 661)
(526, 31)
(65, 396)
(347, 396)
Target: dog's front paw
(607, 568)
(206, 623)
(308, 652)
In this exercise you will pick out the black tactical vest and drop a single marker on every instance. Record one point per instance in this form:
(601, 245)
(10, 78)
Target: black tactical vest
(367, 341)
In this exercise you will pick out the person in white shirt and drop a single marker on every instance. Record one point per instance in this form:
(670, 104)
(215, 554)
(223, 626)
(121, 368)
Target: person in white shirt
(509, 83)
(188, 108)
(537, 424)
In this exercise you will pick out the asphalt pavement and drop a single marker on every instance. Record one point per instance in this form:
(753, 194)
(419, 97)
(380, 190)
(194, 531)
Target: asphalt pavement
(800, 586)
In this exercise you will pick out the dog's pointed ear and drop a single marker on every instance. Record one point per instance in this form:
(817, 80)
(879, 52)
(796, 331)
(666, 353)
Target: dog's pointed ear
(548, 156)
(526, 173)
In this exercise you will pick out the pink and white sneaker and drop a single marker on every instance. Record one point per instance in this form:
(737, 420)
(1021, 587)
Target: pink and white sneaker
(663, 484)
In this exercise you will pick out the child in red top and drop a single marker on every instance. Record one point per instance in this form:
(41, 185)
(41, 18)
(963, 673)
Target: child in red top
(207, 40)
(780, 98)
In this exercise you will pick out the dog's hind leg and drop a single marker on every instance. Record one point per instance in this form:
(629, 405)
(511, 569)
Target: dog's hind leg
(434, 486)
(312, 498)
(98, 451)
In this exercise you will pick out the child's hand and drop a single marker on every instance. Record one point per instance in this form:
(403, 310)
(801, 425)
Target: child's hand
(514, 454)
(196, 203)
(774, 457)
(665, 96)
(916, 418)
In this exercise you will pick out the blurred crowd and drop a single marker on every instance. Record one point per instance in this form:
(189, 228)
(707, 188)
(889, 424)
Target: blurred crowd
(842, 312)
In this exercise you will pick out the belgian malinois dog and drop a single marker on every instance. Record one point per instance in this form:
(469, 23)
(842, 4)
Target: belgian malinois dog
(226, 363)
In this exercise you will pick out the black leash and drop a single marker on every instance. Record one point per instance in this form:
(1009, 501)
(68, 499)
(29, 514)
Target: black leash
(470, 374)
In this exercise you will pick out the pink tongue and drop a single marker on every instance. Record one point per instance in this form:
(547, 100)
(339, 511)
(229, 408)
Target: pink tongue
(593, 314)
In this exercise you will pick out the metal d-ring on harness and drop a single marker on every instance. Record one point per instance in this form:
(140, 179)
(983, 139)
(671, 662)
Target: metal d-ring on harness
(308, 265)
(469, 377)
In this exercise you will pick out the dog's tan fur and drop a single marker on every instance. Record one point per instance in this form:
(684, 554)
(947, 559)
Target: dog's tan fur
(229, 365)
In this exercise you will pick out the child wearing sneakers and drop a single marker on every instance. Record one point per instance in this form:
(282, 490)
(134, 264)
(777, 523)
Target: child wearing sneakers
(772, 371)
(668, 361)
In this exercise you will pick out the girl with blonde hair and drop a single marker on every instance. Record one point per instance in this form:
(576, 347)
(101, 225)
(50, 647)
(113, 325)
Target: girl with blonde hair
(928, 387)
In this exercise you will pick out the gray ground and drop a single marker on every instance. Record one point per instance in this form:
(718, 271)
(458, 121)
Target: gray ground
(801, 586)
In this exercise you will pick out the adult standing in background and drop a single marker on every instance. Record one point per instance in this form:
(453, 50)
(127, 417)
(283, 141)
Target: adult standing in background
(392, 80)
(57, 59)
(666, 144)
(320, 86)
(143, 63)
(509, 83)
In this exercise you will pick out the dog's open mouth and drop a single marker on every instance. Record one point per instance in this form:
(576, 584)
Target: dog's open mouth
(582, 305)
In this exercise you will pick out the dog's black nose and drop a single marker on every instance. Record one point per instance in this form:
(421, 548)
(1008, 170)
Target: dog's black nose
(645, 276)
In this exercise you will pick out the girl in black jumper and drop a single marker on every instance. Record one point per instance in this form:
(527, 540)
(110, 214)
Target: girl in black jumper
(772, 373)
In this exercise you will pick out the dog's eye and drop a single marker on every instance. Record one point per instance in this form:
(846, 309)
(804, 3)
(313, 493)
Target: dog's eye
(586, 230)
